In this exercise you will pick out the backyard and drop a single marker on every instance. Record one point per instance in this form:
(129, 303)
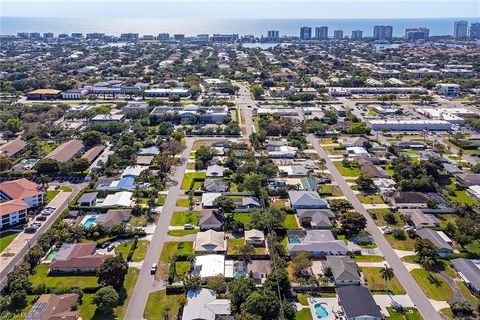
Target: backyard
(61, 281)
(234, 245)
(290, 222)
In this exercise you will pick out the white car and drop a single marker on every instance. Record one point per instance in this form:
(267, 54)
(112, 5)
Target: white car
(153, 269)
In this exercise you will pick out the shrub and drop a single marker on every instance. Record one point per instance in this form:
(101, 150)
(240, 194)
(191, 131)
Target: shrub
(399, 234)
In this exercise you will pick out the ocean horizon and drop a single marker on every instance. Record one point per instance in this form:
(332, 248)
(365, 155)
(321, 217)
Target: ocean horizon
(190, 27)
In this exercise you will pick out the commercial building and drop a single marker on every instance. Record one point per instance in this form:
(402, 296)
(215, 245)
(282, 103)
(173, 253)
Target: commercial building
(129, 36)
(413, 34)
(165, 93)
(216, 37)
(74, 94)
(44, 94)
(338, 34)
(340, 91)
(382, 32)
(305, 33)
(321, 33)
(357, 34)
(475, 30)
(448, 89)
(409, 125)
(460, 29)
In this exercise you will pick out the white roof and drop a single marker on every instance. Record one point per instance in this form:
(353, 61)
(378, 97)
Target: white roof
(209, 197)
(357, 150)
(133, 171)
(444, 236)
(210, 241)
(209, 265)
(203, 304)
(119, 199)
(475, 190)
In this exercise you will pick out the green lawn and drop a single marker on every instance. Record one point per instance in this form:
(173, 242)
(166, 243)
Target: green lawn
(61, 281)
(408, 244)
(348, 172)
(138, 254)
(160, 200)
(302, 298)
(433, 285)
(6, 238)
(329, 190)
(50, 194)
(181, 218)
(180, 233)
(189, 177)
(129, 284)
(290, 222)
(445, 218)
(245, 218)
(304, 314)
(66, 188)
(183, 203)
(410, 314)
(233, 245)
(380, 213)
(377, 284)
(462, 197)
(466, 293)
(140, 221)
(182, 267)
(369, 258)
(473, 247)
(180, 248)
(370, 199)
(162, 306)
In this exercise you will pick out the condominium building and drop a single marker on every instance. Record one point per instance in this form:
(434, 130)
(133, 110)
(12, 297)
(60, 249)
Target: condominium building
(129, 36)
(475, 30)
(460, 29)
(305, 33)
(337, 34)
(382, 32)
(420, 33)
(273, 34)
(321, 33)
(448, 89)
(357, 34)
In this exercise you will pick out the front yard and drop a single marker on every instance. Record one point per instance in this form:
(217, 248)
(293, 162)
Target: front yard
(162, 306)
(190, 177)
(408, 244)
(181, 218)
(377, 284)
(139, 253)
(352, 171)
(434, 286)
(370, 199)
(179, 248)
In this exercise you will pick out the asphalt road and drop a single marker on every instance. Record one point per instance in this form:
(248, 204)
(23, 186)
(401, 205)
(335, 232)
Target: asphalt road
(146, 283)
(413, 290)
(246, 103)
(8, 266)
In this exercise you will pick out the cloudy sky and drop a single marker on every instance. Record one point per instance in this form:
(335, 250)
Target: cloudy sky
(228, 9)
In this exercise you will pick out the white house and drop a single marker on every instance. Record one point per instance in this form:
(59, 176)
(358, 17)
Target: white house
(119, 199)
(209, 265)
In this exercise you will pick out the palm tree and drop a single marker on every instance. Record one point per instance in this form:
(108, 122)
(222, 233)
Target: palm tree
(322, 163)
(427, 263)
(387, 274)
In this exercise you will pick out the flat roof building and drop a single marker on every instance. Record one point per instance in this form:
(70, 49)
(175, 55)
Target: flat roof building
(409, 125)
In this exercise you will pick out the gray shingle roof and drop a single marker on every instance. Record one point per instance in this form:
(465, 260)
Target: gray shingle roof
(469, 270)
(343, 268)
(357, 302)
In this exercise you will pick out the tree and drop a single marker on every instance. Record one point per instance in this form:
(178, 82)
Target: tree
(300, 263)
(263, 303)
(47, 166)
(387, 274)
(256, 91)
(203, 156)
(365, 182)
(359, 128)
(13, 124)
(92, 138)
(427, 263)
(106, 299)
(271, 218)
(352, 222)
(112, 272)
(425, 248)
(278, 278)
(239, 290)
(246, 252)
(191, 282)
(79, 165)
(191, 199)
(225, 203)
(217, 284)
(5, 164)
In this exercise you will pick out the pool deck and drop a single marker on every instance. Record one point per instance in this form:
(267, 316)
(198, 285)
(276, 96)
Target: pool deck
(331, 303)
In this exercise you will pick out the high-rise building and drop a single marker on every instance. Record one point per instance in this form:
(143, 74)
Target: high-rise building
(129, 36)
(179, 36)
(383, 32)
(337, 34)
(48, 35)
(420, 33)
(460, 29)
(273, 34)
(77, 35)
(95, 36)
(357, 34)
(163, 36)
(23, 35)
(321, 33)
(34, 35)
(475, 30)
(305, 33)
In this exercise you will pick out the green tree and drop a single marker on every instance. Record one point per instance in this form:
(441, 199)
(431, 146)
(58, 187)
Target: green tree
(112, 272)
(202, 156)
(217, 284)
(225, 203)
(278, 278)
(5, 164)
(425, 248)
(387, 274)
(365, 182)
(191, 282)
(92, 138)
(13, 124)
(246, 252)
(47, 166)
(106, 299)
(79, 165)
(427, 263)
(352, 222)
(300, 263)
(270, 218)
(263, 303)
(256, 91)
(239, 290)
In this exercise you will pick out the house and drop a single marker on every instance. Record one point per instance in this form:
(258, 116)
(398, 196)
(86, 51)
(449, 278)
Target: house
(74, 94)
(357, 152)
(316, 219)
(208, 198)
(215, 171)
(344, 270)
(469, 271)
(468, 179)
(118, 199)
(306, 200)
(452, 169)
(414, 145)
(149, 151)
(133, 171)
(419, 219)
(255, 237)
(308, 184)
(132, 107)
(354, 142)
(283, 152)
(409, 200)
(66, 151)
(12, 148)
(358, 303)
(318, 243)
(209, 265)
(209, 219)
(203, 304)
(443, 247)
(54, 307)
(144, 160)
(384, 185)
(373, 171)
(294, 170)
(250, 203)
(113, 217)
(92, 153)
(77, 258)
(474, 191)
(44, 94)
(108, 117)
(214, 185)
(88, 199)
(210, 242)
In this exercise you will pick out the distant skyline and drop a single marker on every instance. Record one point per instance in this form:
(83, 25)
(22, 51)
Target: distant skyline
(230, 9)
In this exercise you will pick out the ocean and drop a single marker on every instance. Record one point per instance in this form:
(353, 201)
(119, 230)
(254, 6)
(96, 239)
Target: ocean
(257, 27)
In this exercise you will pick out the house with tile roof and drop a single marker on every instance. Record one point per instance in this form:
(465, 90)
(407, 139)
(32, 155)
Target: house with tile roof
(77, 258)
(54, 307)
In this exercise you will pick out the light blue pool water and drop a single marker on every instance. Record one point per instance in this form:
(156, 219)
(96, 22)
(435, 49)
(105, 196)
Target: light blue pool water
(51, 254)
(89, 221)
(293, 239)
(320, 310)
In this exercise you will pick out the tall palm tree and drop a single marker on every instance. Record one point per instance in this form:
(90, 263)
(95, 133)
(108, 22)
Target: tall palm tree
(427, 263)
(387, 274)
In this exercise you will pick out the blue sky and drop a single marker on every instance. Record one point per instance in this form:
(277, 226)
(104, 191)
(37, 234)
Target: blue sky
(229, 9)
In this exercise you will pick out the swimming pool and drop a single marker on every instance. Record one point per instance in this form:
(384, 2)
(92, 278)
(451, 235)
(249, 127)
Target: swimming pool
(320, 310)
(89, 221)
(294, 239)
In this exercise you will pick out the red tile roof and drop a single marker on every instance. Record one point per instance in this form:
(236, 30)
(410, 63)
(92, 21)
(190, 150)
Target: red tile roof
(11, 148)
(11, 206)
(20, 189)
(78, 256)
(66, 151)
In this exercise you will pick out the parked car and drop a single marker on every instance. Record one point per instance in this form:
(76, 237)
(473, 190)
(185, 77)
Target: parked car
(153, 269)
(188, 226)
(111, 247)
(41, 218)
(105, 245)
(31, 229)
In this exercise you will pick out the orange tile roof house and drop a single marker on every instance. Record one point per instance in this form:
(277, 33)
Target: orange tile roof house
(12, 148)
(77, 258)
(54, 307)
(66, 151)
(44, 94)
(18, 196)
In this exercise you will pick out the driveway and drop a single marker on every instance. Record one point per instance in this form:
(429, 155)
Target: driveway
(405, 278)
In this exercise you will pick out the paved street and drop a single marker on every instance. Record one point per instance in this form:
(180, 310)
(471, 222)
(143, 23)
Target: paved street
(24, 241)
(245, 103)
(146, 283)
(413, 290)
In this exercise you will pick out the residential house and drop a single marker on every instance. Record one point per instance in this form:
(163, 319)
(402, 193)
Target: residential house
(306, 200)
(149, 151)
(316, 219)
(384, 185)
(357, 152)
(203, 304)
(144, 160)
(54, 307)
(208, 198)
(210, 241)
(77, 258)
(408, 200)
(358, 304)
(373, 171)
(215, 171)
(344, 270)
(118, 199)
(354, 142)
(283, 152)
(209, 265)
(113, 217)
(318, 243)
(443, 247)
(66, 151)
(474, 191)
(468, 179)
(209, 219)
(12, 148)
(255, 237)
(469, 271)
(419, 219)
(308, 184)
(250, 203)
(92, 153)
(293, 170)
(133, 107)
(88, 199)
(214, 185)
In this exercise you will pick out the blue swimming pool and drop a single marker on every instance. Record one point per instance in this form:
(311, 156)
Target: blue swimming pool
(89, 221)
(320, 310)
(294, 239)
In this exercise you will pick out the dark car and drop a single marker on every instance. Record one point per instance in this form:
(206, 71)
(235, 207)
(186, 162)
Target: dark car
(105, 245)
